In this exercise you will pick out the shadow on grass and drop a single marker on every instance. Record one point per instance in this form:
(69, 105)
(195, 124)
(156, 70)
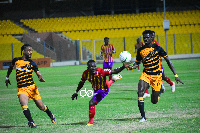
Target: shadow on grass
(122, 119)
(123, 98)
(11, 126)
(77, 123)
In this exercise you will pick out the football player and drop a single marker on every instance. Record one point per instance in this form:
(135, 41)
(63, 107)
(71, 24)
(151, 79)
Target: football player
(107, 50)
(97, 77)
(150, 55)
(27, 88)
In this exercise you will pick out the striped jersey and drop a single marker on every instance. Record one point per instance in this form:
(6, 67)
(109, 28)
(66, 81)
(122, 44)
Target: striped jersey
(151, 58)
(24, 71)
(98, 80)
(107, 52)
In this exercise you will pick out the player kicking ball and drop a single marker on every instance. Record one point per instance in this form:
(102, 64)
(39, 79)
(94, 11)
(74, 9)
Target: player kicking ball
(97, 77)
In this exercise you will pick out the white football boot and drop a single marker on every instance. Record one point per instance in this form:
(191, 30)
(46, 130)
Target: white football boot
(116, 77)
(173, 87)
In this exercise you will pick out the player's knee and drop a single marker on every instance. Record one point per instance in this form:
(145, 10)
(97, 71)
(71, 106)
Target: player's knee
(92, 103)
(140, 93)
(154, 98)
(24, 107)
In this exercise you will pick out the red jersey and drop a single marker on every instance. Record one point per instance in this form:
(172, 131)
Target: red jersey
(156, 42)
(98, 80)
(107, 52)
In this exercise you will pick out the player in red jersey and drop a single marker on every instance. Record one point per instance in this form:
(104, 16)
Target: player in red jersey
(107, 50)
(164, 77)
(97, 77)
(137, 46)
(26, 86)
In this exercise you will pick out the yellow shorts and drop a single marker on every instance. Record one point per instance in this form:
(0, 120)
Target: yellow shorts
(31, 91)
(154, 80)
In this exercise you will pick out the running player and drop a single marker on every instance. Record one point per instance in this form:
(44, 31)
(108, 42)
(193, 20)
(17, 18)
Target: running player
(164, 77)
(150, 54)
(26, 86)
(97, 77)
(107, 50)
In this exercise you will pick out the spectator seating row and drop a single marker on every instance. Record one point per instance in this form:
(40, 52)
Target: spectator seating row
(7, 27)
(6, 44)
(119, 21)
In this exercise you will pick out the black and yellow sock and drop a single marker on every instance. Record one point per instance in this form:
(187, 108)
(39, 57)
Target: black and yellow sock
(27, 113)
(141, 106)
(49, 113)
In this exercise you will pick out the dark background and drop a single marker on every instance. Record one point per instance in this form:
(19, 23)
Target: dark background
(28, 9)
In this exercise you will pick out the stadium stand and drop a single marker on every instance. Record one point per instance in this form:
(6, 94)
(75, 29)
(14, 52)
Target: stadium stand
(116, 27)
(6, 42)
(7, 27)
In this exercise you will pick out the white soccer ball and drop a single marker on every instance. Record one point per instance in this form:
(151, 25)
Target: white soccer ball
(125, 56)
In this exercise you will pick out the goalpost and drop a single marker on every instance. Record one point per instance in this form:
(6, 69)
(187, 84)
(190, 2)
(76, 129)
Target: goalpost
(90, 50)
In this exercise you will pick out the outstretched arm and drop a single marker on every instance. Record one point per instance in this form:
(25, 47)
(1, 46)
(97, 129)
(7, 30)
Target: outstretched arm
(173, 69)
(80, 85)
(8, 74)
(119, 69)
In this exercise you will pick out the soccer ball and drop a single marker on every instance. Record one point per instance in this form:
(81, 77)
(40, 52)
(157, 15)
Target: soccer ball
(125, 56)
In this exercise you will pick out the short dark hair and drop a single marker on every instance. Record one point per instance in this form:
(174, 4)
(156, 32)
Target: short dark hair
(147, 32)
(106, 38)
(25, 46)
(89, 62)
(153, 33)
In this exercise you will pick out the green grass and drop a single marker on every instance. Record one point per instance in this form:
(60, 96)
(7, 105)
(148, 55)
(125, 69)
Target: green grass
(117, 112)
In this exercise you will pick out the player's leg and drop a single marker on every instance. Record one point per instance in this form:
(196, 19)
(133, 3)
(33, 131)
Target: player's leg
(44, 108)
(156, 87)
(138, 67)
(142, 86)
(98, 96)
(110, 65)
(146, 93)
(167, 79)
(105, 65)
(92, 104)
(23, 99)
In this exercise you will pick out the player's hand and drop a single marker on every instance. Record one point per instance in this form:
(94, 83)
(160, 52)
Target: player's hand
(41, 79)
(75, 95)
(178, 80)
(7, 82)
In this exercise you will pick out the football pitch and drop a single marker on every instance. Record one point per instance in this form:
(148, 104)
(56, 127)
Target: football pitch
(117, 112)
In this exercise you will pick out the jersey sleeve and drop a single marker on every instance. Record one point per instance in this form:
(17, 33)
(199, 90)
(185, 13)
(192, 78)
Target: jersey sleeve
(34, 66)
(84, 76)
(101, 48)
(13, 62)
(113, 48)
(104, 72)
(162, 52)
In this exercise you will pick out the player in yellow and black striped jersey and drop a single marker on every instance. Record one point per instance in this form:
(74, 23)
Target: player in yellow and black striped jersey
(26, 86)
(150, 54)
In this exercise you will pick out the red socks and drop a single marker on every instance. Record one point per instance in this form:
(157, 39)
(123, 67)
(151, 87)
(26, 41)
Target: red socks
(169, 81)
(147, 91)
(91, 114)
(109, 83)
